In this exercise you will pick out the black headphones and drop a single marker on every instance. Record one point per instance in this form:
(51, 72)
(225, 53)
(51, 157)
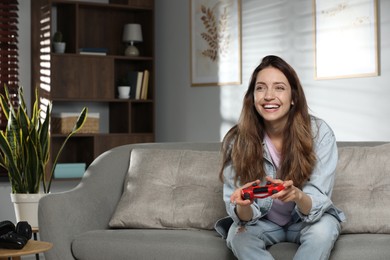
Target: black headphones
(14, 237)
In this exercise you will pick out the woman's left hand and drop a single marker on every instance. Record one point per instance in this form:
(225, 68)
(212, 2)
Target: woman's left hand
(292, 193)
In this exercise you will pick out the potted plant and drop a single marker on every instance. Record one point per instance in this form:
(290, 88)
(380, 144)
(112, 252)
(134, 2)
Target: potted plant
(58, 43)
(25, 146)
(124, 88)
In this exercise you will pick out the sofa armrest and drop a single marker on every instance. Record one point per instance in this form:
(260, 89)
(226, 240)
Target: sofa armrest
(88, 206)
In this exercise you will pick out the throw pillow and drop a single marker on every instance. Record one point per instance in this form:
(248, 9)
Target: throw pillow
(362, 188)
(173, 189)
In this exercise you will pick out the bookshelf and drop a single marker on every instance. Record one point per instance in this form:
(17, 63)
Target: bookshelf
(72, 79)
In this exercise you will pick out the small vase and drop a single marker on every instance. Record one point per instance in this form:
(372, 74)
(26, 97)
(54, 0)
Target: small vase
(26, 207)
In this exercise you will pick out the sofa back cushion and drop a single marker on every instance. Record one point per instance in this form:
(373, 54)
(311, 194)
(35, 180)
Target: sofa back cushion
(362, 188)
(172, 189)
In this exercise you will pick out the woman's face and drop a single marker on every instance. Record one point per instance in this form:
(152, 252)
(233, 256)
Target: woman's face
(272, 96)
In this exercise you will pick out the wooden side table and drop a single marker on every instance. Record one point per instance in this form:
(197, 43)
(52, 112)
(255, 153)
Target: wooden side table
(32, 247)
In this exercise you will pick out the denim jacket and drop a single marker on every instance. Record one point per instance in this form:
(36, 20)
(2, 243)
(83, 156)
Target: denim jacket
(319, 187)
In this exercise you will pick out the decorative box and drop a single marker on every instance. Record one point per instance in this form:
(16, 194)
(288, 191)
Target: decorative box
(69, 170)
(63, 123)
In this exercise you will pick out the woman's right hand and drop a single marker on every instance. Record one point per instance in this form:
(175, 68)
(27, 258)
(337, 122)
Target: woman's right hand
(243, 209)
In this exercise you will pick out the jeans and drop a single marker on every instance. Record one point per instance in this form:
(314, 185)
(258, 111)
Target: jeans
(316, 240)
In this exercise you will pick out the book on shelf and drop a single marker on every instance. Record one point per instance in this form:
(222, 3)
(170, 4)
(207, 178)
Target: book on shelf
(145, 85)
(139, 85)
(93, 51)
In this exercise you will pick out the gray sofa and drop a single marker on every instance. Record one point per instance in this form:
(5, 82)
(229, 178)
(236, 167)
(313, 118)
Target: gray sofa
(124, 209)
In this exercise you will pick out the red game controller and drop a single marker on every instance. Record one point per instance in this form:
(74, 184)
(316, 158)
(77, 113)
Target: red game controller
(256, 191)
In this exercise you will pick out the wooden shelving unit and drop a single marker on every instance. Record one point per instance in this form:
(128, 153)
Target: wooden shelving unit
(73, 78)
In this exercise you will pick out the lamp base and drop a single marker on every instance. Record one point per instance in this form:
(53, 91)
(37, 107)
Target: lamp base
(131, 50)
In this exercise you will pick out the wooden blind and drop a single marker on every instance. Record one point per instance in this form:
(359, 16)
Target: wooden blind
(9, 74)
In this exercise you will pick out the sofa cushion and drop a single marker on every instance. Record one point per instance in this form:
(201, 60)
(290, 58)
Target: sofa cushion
(362, 188)
(347, 247)
(173, 189)
(150, 244)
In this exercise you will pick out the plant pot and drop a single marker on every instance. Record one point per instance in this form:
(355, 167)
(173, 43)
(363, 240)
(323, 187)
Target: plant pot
(26, 207)
(59, 47)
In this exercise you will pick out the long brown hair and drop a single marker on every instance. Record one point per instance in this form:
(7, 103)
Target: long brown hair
(243, 144)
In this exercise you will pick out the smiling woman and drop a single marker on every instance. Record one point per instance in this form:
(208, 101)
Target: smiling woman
(277, 141)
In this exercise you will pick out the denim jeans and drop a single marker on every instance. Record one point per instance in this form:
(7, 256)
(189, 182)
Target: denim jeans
(316, 240)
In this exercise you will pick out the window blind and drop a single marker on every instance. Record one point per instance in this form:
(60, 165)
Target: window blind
(9, 74)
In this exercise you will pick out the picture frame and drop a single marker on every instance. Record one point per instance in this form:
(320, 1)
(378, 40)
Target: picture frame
(215, 27)
(346, 38)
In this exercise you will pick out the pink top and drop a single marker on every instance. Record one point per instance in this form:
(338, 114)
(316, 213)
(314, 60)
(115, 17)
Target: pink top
(280, 212)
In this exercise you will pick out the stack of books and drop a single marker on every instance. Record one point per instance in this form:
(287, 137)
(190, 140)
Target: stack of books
(93, 51)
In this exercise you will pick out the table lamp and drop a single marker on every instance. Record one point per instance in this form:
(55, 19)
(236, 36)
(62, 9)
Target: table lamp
(132, 33)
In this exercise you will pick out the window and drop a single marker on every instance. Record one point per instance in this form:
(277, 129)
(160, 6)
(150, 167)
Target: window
(9, 74)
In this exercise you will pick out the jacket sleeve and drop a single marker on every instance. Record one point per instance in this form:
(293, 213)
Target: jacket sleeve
(228, 189)
(320, 185)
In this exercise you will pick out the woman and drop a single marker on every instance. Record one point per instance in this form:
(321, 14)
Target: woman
(276, 140)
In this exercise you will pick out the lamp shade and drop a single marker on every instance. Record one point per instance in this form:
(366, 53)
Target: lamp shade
(132, 33)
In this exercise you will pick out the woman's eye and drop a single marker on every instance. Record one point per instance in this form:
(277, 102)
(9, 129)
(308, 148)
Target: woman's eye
(280, 88)
(260, 88)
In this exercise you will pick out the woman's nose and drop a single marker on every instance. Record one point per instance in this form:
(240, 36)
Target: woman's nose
(269, 94)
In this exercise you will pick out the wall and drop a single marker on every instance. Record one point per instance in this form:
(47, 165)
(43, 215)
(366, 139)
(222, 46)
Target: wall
(356, 109)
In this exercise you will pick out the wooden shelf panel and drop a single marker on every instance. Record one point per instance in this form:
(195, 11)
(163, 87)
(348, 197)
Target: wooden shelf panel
(81, 77)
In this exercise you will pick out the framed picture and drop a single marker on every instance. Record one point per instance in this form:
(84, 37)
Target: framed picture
(215, 42)
(346, 39)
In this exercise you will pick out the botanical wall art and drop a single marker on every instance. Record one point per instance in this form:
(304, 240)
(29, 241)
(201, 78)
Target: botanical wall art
(215, 42)
(346, 42)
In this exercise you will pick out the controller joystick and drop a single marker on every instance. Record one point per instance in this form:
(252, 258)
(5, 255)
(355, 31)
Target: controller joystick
(256, 191)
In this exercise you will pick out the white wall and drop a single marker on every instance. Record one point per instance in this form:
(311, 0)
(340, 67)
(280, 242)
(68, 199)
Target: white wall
(356, 109)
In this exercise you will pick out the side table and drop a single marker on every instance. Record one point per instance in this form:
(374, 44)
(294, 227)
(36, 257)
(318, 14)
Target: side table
(32, 247)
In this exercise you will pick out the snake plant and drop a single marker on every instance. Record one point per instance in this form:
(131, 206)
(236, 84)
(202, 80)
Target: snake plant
(25, 143)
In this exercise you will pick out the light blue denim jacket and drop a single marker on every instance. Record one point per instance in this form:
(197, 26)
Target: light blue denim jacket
(319, 187)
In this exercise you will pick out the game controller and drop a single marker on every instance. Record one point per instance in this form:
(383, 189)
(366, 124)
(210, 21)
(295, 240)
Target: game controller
(256, 191)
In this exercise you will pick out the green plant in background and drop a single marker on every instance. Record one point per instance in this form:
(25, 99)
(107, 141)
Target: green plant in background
(25, 144)
(123, 81)
(57, 37)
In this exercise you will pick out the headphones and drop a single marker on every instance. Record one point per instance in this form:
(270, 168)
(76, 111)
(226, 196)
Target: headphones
(14, 237)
